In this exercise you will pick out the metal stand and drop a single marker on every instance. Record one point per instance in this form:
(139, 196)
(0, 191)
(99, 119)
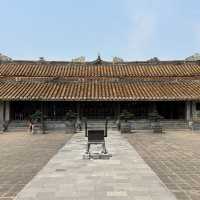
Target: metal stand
(96, 136)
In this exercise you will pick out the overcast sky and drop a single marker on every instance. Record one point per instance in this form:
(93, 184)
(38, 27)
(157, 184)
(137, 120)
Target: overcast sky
(131, 29)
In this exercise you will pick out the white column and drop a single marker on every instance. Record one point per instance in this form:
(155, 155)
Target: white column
(194, 114)
(7, 111)
(1, 115)
(188, 111)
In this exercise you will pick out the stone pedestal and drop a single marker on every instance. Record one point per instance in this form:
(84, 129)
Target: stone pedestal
(196, 126)
(96, 156)
(37, 129)
(157, 128)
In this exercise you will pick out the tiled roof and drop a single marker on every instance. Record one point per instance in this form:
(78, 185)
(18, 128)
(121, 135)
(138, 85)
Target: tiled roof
(100, 81)
(132, 69)
(94, 91)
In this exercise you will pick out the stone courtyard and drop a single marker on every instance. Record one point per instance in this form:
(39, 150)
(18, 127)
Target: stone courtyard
(68, 176)
(175, 157)
(22, 155)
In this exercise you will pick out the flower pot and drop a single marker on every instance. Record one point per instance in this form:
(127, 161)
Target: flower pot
(125, 127)
(70, 127)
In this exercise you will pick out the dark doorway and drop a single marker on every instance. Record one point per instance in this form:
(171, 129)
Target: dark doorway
(98, 110)
(170, 110)
(56, 110)
(21, 110)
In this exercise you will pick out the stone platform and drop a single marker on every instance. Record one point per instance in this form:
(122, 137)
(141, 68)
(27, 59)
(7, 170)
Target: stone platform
(125, 176)
(97, 156)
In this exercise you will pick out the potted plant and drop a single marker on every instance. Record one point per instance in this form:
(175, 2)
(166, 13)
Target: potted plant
(155, 121)
(35, 122)
(36, 117)
(125, 125)
(70, 121)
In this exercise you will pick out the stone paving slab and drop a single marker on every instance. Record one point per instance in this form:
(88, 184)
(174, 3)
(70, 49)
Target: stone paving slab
(175, 158)
(22, 156)
(125, 176)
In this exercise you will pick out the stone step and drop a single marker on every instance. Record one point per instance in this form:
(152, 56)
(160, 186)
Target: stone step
(17, 130)
(136, 125)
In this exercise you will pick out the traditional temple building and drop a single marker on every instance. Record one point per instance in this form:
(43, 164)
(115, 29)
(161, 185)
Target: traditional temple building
(100, 89)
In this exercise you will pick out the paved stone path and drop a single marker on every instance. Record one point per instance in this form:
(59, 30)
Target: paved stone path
(124, 177)
(22, 156)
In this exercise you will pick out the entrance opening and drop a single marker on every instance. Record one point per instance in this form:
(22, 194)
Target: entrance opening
(98, 110)
(21, 110)
(56, 110)
(169, 110)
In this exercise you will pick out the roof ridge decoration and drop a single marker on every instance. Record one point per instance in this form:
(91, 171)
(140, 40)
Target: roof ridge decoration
(117, 60)
(4, 58)
(154, 60)
(80, 59)
(59, 79)
(98, 61)
(194, 57)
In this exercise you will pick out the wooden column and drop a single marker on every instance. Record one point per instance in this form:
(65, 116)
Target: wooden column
(118, 111)
(42, 117)
(78, 110)
(54, 110)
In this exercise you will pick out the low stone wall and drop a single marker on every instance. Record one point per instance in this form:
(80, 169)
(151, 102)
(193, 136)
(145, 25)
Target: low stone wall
(55, 125)
(166, 124)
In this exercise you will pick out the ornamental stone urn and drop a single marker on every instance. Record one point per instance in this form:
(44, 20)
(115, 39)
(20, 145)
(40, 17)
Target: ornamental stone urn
(155, 121)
